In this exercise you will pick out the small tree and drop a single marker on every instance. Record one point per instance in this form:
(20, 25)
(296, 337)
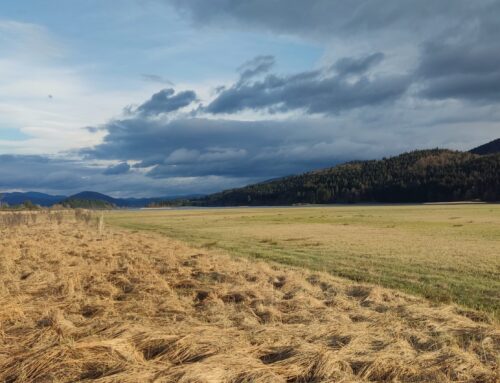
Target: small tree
(29, 205)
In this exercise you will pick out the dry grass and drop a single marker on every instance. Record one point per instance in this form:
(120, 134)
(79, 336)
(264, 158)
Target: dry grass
(79, 305)
(446, 253)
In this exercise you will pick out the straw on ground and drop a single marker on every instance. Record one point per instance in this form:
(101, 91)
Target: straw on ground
(135, 307)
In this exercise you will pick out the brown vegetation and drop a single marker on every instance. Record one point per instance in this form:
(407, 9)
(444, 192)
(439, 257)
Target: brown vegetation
(118, 306)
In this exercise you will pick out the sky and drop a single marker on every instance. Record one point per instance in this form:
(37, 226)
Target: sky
(170, 97)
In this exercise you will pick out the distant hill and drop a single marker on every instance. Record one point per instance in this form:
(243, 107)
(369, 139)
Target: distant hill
(18, 198)
(92, 196)
(86, 204)
(419, 176)
(489, 148)
(122, 202)
(85, 199)
(143, 202)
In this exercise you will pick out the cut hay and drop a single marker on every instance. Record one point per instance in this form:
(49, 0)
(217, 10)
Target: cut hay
(83, 303)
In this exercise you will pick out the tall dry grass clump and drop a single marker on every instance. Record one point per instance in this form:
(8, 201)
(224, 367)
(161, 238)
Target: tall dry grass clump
(77, 304)
(13, 219)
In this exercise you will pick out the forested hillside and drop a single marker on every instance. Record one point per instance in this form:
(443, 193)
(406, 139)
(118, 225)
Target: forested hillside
(419, 176)
(489, 148)
(76, 203)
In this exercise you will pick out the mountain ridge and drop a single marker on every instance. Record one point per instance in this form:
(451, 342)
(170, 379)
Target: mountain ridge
(491, 147)
(84, 198)
(42, 199)
(433, 175)
(120, 202)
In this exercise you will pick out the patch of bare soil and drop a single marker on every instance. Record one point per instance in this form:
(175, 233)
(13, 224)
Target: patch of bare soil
(76, 305)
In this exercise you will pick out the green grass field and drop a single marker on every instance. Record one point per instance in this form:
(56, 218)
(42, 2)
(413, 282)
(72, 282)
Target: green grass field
(447, 253)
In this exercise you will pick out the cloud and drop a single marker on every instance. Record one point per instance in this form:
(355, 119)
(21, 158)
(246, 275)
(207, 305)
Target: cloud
(157, 79)
(464, 65)
(470, 87)
(166, 101)
(450, 47)
(387, 76)
(121, 168)
(328, 91)
(196, 145)
(62, 176)
(91, 129)
(27, 40)
(357, 65)
(173, 156)
(256, 66)
(322, 18)
(243, 151)
(200, 147)
(35, 63)
(23, 172)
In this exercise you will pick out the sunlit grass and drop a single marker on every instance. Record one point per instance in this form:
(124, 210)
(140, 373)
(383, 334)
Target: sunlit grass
(447, 253)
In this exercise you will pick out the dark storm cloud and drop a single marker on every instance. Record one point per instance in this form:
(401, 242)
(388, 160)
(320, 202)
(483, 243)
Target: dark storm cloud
(321, 18)
(198, 147)
(471, 87)
(458, 58)
(193, 147)
(189, 147)
(23, 172)
(328, 91)
(456, 42)
(359, 65)
(464, 64)
(60, 176)
(120, 168)
(166, 101)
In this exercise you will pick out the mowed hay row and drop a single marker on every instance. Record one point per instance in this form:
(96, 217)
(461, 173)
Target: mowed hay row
(77, 304)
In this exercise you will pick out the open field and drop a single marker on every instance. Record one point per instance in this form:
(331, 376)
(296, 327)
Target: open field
(447, 253)
(83, 303)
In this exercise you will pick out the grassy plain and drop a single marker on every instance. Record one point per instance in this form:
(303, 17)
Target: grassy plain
(446, 253)
(83, 302)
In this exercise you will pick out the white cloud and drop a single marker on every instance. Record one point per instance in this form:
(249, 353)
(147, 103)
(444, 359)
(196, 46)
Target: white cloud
(28, 40)
(49, 97)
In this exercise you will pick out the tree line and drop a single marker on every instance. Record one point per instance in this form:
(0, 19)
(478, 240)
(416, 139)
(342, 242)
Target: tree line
(434, 175)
